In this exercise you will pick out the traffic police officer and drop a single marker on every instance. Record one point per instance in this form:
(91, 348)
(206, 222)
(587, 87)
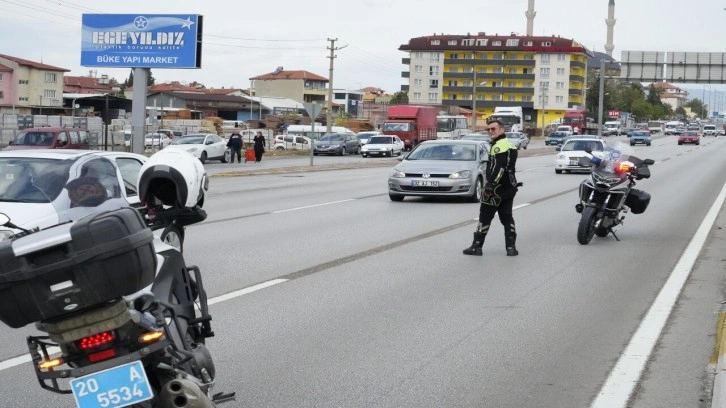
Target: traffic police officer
(499, 191)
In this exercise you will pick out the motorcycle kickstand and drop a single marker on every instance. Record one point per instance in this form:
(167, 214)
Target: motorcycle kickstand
(613, 232)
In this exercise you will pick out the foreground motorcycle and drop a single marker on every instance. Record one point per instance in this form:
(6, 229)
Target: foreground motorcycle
(126, 319)
(609, 192)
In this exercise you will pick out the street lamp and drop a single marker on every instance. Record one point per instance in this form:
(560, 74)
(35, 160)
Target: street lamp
(473, 103)
(543, 97)
(601, 96)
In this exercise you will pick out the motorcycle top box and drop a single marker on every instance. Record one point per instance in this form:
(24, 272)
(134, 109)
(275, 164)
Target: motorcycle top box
(73, 266)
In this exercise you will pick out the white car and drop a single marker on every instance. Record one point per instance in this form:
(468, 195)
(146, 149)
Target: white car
(202, 146)
(383, 145)
(42, 188)
(575, 147)
(156, 140)
(291, 142)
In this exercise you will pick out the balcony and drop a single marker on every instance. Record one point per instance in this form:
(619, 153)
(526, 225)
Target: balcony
(406, 61)
(481, 76)
(576, 92)
(404, 88)
(578, 64)
(405, 74)
(488, 89)
(496, 62)
(577, 78)
(486, 104)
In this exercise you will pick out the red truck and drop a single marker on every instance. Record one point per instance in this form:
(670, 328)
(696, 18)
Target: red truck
(412, 124)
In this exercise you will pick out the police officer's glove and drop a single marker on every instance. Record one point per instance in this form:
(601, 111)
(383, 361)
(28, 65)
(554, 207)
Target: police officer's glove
(488, 190)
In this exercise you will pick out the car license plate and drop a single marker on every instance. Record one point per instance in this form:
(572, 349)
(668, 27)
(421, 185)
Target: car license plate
(574, 162)
(116, 387)
(424, 183)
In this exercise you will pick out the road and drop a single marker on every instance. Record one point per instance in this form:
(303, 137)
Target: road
(327, 294)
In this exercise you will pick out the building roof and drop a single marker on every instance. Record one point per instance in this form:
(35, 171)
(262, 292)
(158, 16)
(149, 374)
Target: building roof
(664, 85)
(174, 86)
(3, 68)
(556, 44)
(33, 64)
(290, 75)
(200, 96)
(84, 82)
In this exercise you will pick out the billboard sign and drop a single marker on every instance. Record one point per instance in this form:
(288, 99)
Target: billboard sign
(614, 114)
(141, 40)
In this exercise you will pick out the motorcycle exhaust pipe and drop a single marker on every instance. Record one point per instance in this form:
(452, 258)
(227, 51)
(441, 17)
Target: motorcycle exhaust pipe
(183, 393)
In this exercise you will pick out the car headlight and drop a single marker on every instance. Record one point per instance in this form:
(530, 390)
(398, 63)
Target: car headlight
(561, 157)
(464, 174)
(397, 173)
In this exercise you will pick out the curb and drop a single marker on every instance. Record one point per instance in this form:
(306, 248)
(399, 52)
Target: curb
(718, 399)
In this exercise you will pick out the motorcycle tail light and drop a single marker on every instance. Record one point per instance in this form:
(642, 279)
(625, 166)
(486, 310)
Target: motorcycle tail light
(95, 340)
(102, 355)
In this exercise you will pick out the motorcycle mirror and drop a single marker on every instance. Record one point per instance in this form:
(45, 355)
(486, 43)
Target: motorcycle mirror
(649, 161)
(4, 219)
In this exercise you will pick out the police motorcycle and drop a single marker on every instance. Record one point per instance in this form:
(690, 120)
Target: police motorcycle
(609, 193)
(125, 320)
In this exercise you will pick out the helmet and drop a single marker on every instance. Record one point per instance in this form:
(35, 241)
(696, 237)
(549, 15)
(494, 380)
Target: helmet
(174, 178)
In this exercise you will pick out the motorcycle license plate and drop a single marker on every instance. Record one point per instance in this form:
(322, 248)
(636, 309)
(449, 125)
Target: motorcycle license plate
(424, 183)
(116, 387)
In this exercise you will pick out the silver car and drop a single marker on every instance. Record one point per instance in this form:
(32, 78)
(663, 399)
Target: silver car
(441, 168)
(518, 139)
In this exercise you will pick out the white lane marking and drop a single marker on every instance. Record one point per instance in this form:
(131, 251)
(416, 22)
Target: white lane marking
(312, 206)
(621, 382)
(244, 291)
(516, 207)
(16, 361)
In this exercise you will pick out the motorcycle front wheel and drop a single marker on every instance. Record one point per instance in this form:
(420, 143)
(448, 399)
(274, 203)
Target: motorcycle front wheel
(586, 228)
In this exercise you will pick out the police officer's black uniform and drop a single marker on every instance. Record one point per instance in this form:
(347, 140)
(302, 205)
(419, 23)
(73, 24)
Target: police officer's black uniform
(235, 145)
(498, 196)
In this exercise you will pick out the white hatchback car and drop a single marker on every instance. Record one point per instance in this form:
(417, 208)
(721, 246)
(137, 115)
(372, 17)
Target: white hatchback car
(291, 142)
(202, 146)
(382, 145)
(575, 147)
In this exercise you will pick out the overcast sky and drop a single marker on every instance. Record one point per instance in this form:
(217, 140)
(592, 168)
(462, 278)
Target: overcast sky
(243, 39)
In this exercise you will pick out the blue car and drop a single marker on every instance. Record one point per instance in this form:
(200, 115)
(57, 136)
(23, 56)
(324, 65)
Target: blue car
(640, 136)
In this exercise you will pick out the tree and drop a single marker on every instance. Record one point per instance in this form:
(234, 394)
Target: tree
(150, 80)
(697, 107)
(398, 97)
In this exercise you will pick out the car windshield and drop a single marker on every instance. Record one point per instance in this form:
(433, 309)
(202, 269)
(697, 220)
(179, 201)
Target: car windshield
(514, 136)
(583, 145)
(438, 151)
(331, 138)
(641, 134)
(558, 134)
(476, 137)
(33, 139)
(184, 140)
(380, 140)
(32, 180)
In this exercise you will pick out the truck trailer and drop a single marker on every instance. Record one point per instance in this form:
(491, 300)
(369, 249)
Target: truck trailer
(412, 124)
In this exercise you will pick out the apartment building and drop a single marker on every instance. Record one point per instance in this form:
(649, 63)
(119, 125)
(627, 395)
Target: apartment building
(544, 75)
(29, 87)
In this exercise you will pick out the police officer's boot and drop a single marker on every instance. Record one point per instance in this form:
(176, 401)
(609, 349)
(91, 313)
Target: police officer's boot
(510, 238)
(475, 248)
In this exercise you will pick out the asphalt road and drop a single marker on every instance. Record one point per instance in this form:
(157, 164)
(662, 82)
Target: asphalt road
(327, 294)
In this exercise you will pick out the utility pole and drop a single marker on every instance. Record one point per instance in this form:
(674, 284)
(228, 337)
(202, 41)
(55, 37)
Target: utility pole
(329, 113)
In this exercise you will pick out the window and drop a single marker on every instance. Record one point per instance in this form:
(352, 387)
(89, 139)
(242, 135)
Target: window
(498, 70)
(528, 56)
(512, 42)
(454, 96)
(511, 98)
(498, 56)
(417, 96)
(454, 56)
(528, 44)
(545, 58)
(527, 70)
(496, 97)
(482, 42)
(497, 43)
(433, 83)
(512, 70)
(560, 99)
(468, 41)
(51, 77)
(456, 83)
(512, 84)
(418, 68)
(526, 98)
(560, 71)
(23, 99)
(418, 55)
(417, 82)
(527, 85)
(433, 96)
(544, 85)
(452, 42)
(544, 72)
(1, 76)
(468, 56)
(435, 57)
(546, 43)
(23, 82)
(560, 85)
(497, 84)
(49, 93)
(435, 42)
(453, 69)
(561, 57)
(433, 70)
(513, 57)
(2, 95)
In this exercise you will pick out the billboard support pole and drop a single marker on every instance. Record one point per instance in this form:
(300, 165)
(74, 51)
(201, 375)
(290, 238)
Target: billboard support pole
(138, 109)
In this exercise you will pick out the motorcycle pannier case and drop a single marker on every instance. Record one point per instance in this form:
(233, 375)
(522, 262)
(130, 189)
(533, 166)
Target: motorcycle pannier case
(638, 201)
(70, 267)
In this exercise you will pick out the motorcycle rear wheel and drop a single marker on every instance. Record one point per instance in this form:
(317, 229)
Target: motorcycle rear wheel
(586, 228)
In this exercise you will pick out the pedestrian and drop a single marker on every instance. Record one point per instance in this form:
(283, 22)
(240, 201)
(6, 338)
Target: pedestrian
(259, 146)
(234, 144)
(499, 191)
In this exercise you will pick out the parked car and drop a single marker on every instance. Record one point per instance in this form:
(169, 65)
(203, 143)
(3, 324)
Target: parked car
(202, 146)
(518, 139)
(572, 149)
(442, 168)
(689, 136)
(565, 129)
(555, 138)
(42, 188)
(337, 143)
(383, 145)
(291, 142)
(364, 136)
(156, 140)
(640, 137)
(50, 138)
